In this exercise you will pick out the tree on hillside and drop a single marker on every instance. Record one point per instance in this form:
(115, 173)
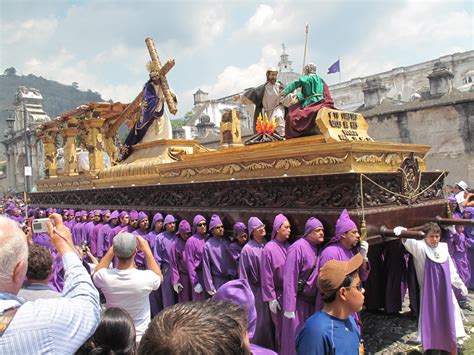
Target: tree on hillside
(75, 85)
(10, 72)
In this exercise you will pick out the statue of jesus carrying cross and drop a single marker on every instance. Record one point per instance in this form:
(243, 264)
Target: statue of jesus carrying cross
(153, 123)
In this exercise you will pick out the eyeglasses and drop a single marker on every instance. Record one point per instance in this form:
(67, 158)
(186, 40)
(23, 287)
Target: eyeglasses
(359, 287)
(201, 225)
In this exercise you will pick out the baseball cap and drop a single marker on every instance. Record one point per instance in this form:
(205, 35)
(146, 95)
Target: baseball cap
(125, 245)
(462, 185)
(332, 274)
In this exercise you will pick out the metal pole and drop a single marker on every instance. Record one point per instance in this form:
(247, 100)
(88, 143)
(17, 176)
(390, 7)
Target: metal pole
(305, 46)
(27, 149)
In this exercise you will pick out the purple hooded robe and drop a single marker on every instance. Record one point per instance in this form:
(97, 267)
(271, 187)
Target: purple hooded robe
(179, 272)
(193, 252)
(249, 269)
(216, 259)
(300, 267)
(164, 243)
(271, 274)
(240, 293)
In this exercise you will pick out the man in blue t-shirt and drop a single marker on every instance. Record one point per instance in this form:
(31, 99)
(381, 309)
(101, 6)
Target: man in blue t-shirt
(333, 330)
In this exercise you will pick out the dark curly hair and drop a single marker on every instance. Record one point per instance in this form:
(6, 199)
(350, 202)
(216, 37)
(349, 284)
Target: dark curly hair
(39, 263)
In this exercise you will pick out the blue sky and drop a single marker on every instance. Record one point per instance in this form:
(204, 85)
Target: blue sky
(222, 46)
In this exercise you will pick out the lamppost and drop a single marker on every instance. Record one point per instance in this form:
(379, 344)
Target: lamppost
(26, 137)
(8, 142)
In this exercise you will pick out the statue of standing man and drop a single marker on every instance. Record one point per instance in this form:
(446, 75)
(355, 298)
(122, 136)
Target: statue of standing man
(267, 99)
(153, 123)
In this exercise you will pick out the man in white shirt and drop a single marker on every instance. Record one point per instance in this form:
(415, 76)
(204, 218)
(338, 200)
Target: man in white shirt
(126, 286)
(461, 192)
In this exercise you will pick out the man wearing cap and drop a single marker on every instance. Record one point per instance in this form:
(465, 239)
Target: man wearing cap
(343, 246)
(216, 257)
(249, 269)
(179, 273)
(299, 288)
(164, 243)
(125, 286)
(461, 192)
(333, 330)
(267, 100)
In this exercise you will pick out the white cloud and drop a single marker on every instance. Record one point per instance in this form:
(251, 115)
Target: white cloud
(32, 29)
(416, 27)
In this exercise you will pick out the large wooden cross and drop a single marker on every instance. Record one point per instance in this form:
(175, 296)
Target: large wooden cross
(163, 70)
(135, 104)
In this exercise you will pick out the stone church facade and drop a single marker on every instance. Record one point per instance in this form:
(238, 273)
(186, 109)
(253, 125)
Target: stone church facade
(435, 108)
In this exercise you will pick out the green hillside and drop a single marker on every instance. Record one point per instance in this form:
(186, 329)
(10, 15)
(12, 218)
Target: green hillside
(57, 98)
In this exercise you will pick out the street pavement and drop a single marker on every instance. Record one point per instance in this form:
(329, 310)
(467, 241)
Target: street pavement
(397, 333)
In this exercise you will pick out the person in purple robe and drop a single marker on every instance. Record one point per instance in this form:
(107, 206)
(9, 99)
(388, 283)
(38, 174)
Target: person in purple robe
(164, 244)
(179, 273)
(94, 219)
(102, 244)
(156, 228)
(395, 265)
(102, 221)
(271, 272)
(123, 225)
(440, 323)
(193, 253)
(240, 293)
(343, 246)
(300, 286)
(133, 221)
(235, 248)
(216, 257)
(77, 228)
(459, 249)
(153, 108)
(249, 269)
(469, 233)
(70, 219)
(142, 231)
(17, 216)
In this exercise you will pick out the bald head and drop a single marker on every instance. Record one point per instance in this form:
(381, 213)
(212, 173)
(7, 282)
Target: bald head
(13, 256)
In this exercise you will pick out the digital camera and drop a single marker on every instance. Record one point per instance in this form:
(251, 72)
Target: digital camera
(39, 225)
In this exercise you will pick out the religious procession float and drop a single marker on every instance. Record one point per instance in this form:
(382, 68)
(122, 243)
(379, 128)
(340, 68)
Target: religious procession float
(381, 184)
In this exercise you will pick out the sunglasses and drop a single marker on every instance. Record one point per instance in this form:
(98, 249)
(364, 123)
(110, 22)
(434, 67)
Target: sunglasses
(201, 225)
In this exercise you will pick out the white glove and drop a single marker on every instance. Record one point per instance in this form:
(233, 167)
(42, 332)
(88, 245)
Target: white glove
(289, 315)
(212, 292)
(398, 230)
(464, 291)
(178, 288)
(274, 306)
(364, 249)
(198, 288)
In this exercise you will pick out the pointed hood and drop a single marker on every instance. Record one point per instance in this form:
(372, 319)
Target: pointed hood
(279, 220)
